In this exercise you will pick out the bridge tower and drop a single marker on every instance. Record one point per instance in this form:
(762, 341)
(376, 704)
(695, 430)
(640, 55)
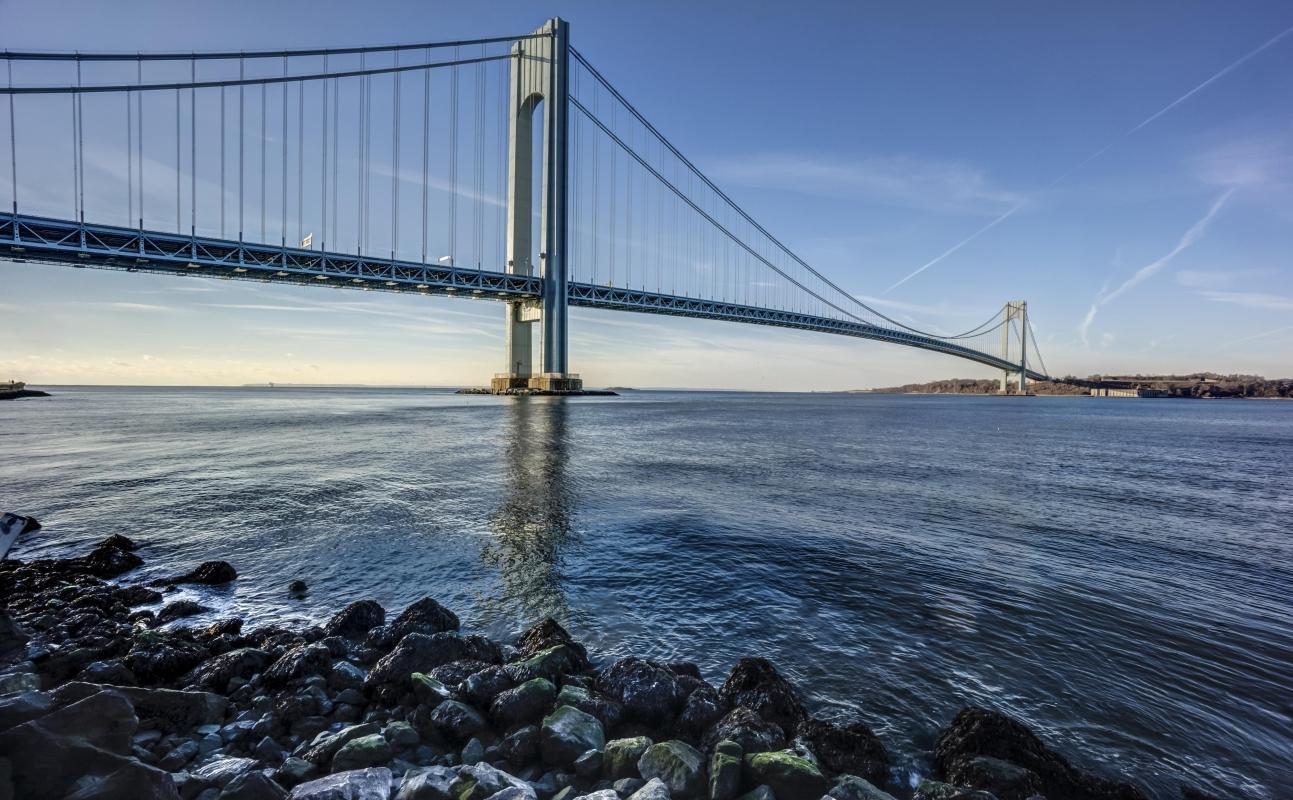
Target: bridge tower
(540, 78)
(1016, 310)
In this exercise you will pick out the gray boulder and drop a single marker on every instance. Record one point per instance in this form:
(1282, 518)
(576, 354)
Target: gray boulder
(567, 733)
(457, 721)
(653, 789)
(427, 783)
(649, 692)
(526, 703)
(365, 751)
(173, 709)
(679, 765)
(223, 770)
(355, 620)
(620, 757)
(253, 786)
(361, 784)
(788, 775)
(851, 787)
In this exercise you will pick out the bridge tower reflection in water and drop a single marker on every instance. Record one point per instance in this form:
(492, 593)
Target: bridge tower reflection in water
(533, 524)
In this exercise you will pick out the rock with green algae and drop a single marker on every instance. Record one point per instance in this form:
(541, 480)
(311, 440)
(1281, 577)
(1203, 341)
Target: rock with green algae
(550, 663)
(620, 759)
(725, 770)
(679, 765)
(366, 751)
(428, 690)
(789, 776)
(567, 733)
(525, 703)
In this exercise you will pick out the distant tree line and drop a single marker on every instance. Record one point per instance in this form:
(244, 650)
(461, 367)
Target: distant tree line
(1198, 384)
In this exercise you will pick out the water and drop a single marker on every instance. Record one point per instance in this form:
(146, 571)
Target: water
(1116, 573)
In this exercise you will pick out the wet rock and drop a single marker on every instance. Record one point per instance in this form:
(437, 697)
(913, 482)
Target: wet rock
(210, 573)
(457, 721)
(600, 794)
(648, 692)
(481, 781)
(589, 764)
(177, 757)
(521, 745)
(106, 562)
(19, 682)
(253, 786)
(851, 749)
(18, 708)
(568, 733)
(620, 759)
(610, 713)
(299, 661)
(269, 751)
(118, 541)
(701, 711)
(112, 671)
(355, 620)
(298, 587)
(473, 752)
(223, 770)
(158, 657)
(456, 672)
(483, 686)
(169, 709)
(179, 609)
(130, 781)
(981, 732)
(428, 690)
(401, 735)
(417, 652)
(427, 783)
(345, 675)
(936, 790)
(326, 744)
(627, 787)
(654, 789)
(365, 751)
(789, 776)
(551, 663)
(293, 771)
(549, 634)
(425, 616)
(679, 765)
(216, 673)
(851, 787)
(373, 783)
(756, 684)
(753, 733)
(136, 595)
(725, 771)
(12, 637)
(759, 793)
(526, 703)
(1003, 779)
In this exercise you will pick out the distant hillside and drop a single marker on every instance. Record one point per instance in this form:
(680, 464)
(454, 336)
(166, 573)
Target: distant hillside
(1199, 384)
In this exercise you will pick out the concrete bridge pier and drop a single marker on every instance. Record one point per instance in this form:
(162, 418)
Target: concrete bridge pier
(540, 75)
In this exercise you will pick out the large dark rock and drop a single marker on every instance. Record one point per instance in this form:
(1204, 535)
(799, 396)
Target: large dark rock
(454, 721)
(130, 781)
(424, 616)
(216, 673)
(567, 733)
(848, 749)
(137, 595)
(547, 634)
(15, 709)
(702, 709)
(420, 652)
(979, 732)
(526, 703)
(356, 620)
(753, 733)
(455, 673)
(482, 686)
(678, 765)
(649, 692)
(211, 573)
(373, 783)
(12, 637)
(157, 657)
(179, 609)
(106, 561)
(118, 541)
(299, 661)
(608, 711)
(788, 775)
(756, 684)
(168, 709)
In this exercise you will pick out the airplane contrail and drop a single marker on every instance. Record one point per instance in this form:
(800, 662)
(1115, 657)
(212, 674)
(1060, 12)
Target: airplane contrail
(1165, 109)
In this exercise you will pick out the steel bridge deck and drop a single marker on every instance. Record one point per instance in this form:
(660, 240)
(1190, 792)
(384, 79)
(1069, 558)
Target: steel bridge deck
(65, 242)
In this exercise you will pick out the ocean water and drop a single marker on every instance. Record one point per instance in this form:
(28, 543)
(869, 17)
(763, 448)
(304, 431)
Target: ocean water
(1116, 573)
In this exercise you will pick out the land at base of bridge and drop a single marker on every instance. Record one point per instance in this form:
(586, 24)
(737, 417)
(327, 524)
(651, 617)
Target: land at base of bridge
(1201, 385)
(103, 686)
(528, 392)
(16, 390)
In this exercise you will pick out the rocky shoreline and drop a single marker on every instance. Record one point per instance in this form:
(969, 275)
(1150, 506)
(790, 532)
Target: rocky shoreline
(102, 699)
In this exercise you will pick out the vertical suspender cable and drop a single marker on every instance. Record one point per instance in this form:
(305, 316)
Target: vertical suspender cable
(453, 162)
(264, 91)
(478, 150)
(426, 146)
(76, 144)
(282, 192)
(193, 149)
(501, 167)
(336, 164)
(597, 190)
(139, 142)
(395, 161)
(300, 161)
(13, 141)
(359, 164)
(224, 199)
(179, 214)
(615, 187)
(130, 157)
(241, 147)
(80, 144)
(323, 158)
(368, 155)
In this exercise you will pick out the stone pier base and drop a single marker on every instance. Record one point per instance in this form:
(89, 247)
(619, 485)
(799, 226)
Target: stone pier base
(548, 383)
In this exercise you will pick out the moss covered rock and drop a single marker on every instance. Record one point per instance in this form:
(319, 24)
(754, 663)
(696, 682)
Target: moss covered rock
(789, 776)
(679, 765)
(567, 733)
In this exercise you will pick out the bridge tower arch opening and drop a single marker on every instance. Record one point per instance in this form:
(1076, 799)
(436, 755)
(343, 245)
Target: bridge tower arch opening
(539, 86)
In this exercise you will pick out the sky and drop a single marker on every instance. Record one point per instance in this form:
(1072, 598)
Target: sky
(1126, 168)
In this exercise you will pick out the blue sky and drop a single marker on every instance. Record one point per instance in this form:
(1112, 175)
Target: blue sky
(1125, 167)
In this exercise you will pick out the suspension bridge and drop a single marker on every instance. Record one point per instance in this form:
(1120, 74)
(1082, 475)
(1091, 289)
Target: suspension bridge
(505, 169)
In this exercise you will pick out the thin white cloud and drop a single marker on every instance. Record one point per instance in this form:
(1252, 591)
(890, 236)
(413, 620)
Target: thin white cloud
(1149, 270)
(1255, 336)
(945, 186)
(1064, 175)
(1270, 302)
(1218, 278)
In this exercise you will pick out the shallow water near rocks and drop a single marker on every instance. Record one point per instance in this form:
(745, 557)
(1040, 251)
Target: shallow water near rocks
(1116, 573)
